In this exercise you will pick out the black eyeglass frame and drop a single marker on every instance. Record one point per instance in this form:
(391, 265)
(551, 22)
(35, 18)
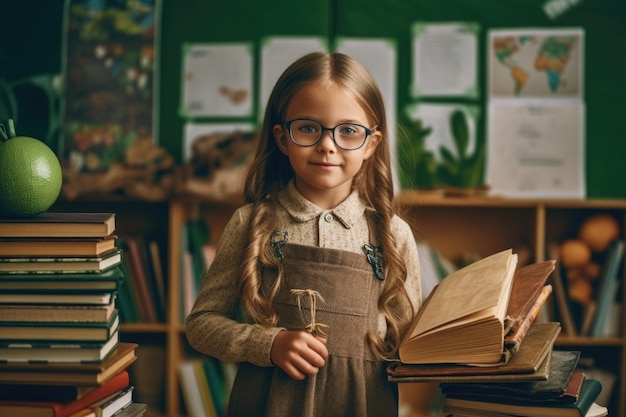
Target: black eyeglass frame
(368, 132)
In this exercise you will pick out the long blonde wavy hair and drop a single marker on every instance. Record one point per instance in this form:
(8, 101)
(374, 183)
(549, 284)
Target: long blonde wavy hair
(270, 171)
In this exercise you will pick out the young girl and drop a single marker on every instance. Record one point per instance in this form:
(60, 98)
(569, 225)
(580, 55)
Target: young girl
(325, 272)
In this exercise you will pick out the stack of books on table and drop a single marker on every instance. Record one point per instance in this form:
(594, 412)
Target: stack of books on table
(60, 349)
(476, 334)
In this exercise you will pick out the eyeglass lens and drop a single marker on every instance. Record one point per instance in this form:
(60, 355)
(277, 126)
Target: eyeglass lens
(346, 135)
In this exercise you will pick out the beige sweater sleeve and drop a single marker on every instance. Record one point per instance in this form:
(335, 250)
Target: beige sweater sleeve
(211, 326)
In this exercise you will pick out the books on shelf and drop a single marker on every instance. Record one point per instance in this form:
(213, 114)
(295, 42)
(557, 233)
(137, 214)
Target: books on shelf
(60, 331)
(192, 393)
(48, 352)
(50, 224)
(82, 373)
(608, 289)
(60, 265)
(20, 246)
(478, 314)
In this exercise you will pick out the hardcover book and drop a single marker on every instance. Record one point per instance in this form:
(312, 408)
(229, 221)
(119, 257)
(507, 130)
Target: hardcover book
(530, 363)
(49, 352)
(589, 392)
(57, 298)
(76, 282)
(60, 331)
(463, 318)
(51, 224)
(528, 295)
(56, 373)
(562, 385)
(56, 265)
(62, 246)
(45, 313)
(56, 408)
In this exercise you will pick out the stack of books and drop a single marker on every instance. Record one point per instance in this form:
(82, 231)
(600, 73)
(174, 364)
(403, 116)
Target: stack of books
(60, 349)
(477, 335)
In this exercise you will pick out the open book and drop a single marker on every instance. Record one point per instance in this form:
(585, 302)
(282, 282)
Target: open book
(463, 320)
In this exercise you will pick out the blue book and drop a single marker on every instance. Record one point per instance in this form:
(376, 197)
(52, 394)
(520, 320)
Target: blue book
(608, 286)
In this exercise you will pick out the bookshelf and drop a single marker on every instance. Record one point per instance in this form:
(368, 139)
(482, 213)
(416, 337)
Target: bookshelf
(453, 226)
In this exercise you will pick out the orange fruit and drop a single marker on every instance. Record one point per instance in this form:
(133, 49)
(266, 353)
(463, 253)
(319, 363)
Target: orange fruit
(30, 177)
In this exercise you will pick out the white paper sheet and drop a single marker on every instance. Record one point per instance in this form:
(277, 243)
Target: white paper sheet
(217, 80)
(536, 148)
(445, 59)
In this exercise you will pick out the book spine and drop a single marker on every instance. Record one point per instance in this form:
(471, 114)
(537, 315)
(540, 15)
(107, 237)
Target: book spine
(143, 294)
(609, 285)
(513, 342)
(565, 314)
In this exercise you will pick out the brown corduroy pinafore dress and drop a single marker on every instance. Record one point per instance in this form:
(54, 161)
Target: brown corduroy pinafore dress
(352, 383)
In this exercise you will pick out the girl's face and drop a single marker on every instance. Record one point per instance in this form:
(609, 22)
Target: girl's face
(324, 171)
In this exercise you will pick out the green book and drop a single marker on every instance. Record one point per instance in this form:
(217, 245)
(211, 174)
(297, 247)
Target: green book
(106, 281)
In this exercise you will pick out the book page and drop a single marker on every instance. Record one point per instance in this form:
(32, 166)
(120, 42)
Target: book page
(477, 288)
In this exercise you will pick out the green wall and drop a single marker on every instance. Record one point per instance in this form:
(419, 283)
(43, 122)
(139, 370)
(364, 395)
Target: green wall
(31, 35)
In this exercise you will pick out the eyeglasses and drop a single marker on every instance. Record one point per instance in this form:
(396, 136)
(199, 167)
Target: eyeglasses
(347, 136)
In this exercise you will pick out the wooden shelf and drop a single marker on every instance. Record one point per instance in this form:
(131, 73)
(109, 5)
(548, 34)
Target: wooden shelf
(453, 225)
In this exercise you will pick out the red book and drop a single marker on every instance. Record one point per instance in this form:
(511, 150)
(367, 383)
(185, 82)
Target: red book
(64, 409)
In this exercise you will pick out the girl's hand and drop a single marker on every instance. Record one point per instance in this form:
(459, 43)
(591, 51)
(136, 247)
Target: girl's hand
(298, 353)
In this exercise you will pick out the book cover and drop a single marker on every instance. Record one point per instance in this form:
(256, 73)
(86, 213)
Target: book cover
(60, 331)
(589, 392)
(63, 265)
(528, 295)
(608, 287)
(34, 408)
(463, 318)
(46, 313)
(50, 224)
(530, 363)
(72, 283)
(48, 352)
(84, 373)
(562, 385)
(17, 246)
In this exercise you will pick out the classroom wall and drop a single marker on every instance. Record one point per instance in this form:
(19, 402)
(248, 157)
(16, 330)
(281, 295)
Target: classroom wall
(31, 34)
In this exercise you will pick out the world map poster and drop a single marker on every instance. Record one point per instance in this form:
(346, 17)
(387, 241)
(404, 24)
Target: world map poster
(539, 63)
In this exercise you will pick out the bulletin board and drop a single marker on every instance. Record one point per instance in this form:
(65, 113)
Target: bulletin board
(604, 82)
